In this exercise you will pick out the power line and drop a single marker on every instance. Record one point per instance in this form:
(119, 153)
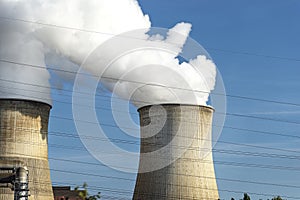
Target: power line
(62, 134)
(102, 108)
(130, 179)
(131, 142)
(230, 114)
(106, 96)
(226, 127)
(125, 191)
(138, 82)
(270, 133)
(237, 164)
(97, 188)
(297, 105)
(253, 54)
(222, 151)
(55, 26)
(112, 34)
(218, 178)
(119, 191)
(225, 151)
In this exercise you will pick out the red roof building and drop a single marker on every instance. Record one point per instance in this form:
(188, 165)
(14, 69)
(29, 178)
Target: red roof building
(65, 193)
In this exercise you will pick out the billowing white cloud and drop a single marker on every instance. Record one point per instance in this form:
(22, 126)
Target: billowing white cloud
(63, 44)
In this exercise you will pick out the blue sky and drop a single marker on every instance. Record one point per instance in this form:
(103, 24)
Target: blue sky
(255, 45)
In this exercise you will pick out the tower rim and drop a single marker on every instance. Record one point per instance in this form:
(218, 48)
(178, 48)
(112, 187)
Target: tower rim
(177, 104)
(26, 100)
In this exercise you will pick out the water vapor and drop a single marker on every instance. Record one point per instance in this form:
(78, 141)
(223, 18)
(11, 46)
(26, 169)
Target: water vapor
(65, 33)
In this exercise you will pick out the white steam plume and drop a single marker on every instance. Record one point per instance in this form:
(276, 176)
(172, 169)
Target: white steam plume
(63, 44)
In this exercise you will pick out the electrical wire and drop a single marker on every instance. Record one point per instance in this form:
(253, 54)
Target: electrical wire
(112, 34)
(228, 127)
(248, 98)
(122, 191)
(138, 82)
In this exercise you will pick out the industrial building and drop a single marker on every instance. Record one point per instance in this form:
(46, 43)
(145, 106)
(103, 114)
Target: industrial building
(24, 143)
(191, 175)
(65, 193)
(184, 171)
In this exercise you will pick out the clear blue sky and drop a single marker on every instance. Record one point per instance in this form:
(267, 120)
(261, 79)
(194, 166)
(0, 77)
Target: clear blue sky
(256, 46)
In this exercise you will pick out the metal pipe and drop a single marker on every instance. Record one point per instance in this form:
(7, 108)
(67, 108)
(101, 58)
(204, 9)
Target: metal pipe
(21, 184)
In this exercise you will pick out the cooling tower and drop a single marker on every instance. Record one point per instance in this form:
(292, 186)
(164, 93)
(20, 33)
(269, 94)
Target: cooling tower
(192, 175)
(24, 141)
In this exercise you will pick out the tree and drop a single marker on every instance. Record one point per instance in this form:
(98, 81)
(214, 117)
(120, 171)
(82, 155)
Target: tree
(246, 197)
(84, 193)
(277, 198)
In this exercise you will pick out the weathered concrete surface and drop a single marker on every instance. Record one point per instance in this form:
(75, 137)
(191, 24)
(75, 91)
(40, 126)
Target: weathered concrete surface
(24, 142)
(191, 176)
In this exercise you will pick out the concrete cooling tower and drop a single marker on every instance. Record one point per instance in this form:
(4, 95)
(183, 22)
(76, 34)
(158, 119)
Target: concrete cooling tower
(24, 142)
(192, 175)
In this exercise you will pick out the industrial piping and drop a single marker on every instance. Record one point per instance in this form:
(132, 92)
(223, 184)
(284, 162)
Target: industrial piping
(192, 175)
(15, 178)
